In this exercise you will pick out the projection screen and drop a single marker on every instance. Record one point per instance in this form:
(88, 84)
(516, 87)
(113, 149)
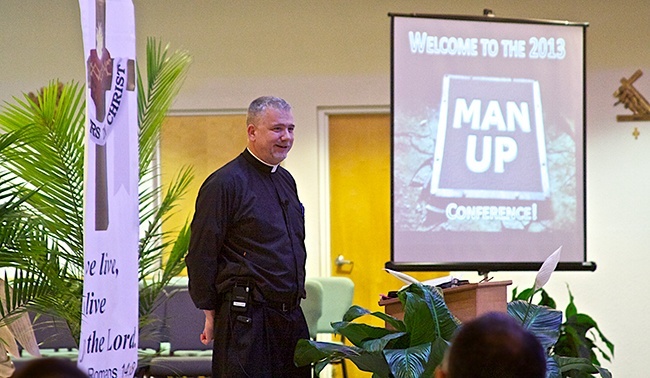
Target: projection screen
(488, 143)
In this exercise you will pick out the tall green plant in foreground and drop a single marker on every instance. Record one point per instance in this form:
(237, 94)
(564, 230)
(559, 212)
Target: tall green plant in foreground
(576, 344)
(49, 159)
(18, 230)
(414, 347)
(411, 348)
(546, 323)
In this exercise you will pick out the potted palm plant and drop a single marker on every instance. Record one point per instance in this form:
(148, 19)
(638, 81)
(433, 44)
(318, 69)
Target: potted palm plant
(46, 160)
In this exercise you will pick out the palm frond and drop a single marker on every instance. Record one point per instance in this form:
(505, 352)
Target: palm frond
(165, 74)
(153, 217)
(51, 157)
(18, 293)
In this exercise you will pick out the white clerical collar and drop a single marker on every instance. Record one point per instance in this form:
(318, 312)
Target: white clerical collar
(273, 167)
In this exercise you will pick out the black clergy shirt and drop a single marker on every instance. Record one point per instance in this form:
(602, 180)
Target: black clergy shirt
(248, 225)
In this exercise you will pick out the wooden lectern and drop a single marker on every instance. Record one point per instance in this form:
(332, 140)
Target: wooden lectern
(466, 301)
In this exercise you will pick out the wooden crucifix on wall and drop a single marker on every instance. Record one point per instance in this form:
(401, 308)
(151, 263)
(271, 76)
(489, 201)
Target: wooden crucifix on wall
(632, 99)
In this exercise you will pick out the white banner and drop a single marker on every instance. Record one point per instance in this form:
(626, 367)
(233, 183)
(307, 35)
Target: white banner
(109, 330)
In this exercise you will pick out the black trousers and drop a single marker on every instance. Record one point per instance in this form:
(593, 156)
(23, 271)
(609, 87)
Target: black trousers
(259, 342)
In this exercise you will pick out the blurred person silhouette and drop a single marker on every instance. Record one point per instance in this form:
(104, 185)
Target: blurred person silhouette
(493, 345)
(49, 367)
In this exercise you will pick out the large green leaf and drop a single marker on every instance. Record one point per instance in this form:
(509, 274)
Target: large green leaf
(322, 353)
(355, 312)
(552, 367)
(309, 351)
(360, 334)
(409, 362)
(580, 327)
(567, 364)
(438, 351)
(426, 314)
(578, 338)
(372, 362)
(543, 322)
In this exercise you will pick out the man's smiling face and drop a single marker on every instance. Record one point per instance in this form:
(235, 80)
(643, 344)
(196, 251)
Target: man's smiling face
(271, 136)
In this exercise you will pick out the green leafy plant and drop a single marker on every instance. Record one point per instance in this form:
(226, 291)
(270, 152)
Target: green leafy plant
(47, 161)
(17, 229)
(576, 347)
(411, 347)
(415, 346)
(546, 323)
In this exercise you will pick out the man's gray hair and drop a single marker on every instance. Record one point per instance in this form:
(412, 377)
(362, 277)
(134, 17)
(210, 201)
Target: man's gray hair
(259, 105)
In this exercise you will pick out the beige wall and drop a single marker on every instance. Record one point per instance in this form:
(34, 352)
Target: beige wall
(336, 53)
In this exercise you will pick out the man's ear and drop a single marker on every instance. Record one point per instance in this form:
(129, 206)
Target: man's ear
(250, 131)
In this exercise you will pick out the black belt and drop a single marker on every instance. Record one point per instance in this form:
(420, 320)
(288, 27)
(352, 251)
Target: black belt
(286, 305)
(282, 306)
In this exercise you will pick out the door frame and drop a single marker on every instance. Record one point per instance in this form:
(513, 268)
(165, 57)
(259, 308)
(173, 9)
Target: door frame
(325, 265)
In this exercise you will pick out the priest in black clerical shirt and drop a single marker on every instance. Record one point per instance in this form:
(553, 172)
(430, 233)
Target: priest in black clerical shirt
(246, 260)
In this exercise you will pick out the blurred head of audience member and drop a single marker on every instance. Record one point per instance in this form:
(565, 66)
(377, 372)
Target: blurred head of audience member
(493, 345)
(49, 367)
